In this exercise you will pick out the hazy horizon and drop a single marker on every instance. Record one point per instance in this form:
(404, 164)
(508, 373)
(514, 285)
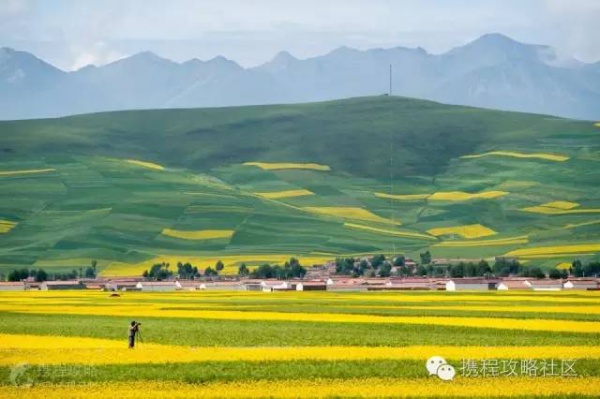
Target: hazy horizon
(73, 34)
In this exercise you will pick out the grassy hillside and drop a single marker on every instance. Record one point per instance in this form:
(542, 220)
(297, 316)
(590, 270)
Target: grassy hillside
(367, 175)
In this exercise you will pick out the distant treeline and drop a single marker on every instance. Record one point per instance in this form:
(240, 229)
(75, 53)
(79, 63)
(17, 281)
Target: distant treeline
(40, 275)
(162, 271)
(380, 266)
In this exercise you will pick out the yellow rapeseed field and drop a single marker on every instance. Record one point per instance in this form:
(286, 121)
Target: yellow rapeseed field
(597, 124)
(288, 165)
(548, 157)
(557, 249)
(573, 225)
(403, 197)
(198, 234)
(284, 194)
(157, 311)
(6, 226)
(463, 196)
(322, 388)
(466, 231)
(79, 350)
(561, 204)
(25, 171)
(145, 164)
(348, 213)
(485, 243)
(231, 262)
(563, 208)
(564, 266)
(444, 196)
(407, 234)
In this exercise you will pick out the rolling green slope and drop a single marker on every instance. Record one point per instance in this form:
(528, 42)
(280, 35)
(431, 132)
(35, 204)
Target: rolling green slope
(399, 171)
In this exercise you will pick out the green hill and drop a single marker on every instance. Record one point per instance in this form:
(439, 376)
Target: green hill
(393, 177)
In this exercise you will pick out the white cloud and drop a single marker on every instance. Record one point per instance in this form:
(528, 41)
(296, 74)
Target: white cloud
(98, 53)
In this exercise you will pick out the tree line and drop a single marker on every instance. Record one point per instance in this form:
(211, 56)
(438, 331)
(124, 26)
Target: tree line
(41, 275)
(380, 266)
(162, 271)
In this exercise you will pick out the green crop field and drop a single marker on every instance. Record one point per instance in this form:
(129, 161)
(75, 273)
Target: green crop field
(106, 186)
(72, 344)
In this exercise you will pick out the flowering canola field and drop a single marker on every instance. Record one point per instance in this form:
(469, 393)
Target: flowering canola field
(145, 164)
(288, 165)
(238, 344)
(198, 234)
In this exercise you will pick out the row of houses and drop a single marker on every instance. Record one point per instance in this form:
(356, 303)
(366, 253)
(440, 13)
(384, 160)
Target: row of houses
(329, 284)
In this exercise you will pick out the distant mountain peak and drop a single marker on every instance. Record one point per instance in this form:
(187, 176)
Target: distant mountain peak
(284, 56)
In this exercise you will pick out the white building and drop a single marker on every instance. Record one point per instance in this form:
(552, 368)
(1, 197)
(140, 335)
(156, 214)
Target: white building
(470, 284)
(158, 286)
(13, 286)
(544, 285)
(511, 285)
(581, 285)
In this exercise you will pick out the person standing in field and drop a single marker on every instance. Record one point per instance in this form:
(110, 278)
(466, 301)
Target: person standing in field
(133, 330)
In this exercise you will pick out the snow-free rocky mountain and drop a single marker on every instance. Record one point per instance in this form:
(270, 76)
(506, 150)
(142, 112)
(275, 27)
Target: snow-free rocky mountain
(493, 71)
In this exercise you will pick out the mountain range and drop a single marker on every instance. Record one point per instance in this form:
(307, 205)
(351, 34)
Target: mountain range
(493, 71)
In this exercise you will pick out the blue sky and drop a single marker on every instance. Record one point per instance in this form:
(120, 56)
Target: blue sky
(73, 33)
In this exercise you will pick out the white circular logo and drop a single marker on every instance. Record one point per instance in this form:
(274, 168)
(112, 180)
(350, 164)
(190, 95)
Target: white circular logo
(437, 365)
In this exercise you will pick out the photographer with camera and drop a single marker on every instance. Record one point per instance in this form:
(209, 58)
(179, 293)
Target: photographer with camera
(134, 329)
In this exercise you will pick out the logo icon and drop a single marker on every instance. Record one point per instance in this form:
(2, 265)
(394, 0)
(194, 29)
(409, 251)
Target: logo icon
(17, 375)
(437, 365)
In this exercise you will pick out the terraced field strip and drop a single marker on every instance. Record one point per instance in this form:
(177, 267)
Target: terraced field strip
(556, 211)
(443, 196)
(25, 172)
(324, 388)
(349, 213)
(154, 311)
(149, 165)
(288, 165)
(80, 350)
(557, 250)
(407, 234)
(6, 226)
(544, 156)
(463, 196)
(485, 243)
(403, 197)
(231, 262)
(284, 194)
(466, 231)
(198, 234)
(561, 204)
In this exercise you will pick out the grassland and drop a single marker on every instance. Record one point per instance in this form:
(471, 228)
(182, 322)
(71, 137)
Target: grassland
(312, 180)
(237, 344)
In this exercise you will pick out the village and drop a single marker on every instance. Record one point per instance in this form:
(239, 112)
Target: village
(318, 278)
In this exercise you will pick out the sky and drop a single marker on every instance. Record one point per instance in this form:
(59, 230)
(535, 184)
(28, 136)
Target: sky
(73, 33)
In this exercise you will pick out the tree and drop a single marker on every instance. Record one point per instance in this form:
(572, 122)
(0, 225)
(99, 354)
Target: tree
(377, 261)
(425, 258)
(209, 272)
(484, 268)
(263, 271)
(18, 275)
(243, 270)
(399, 260)
(556, 274)
(385, 270)
(505, 267)
(90, 273)
(219, 266)
(41, 275)
(159, 272)
(534, 272)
